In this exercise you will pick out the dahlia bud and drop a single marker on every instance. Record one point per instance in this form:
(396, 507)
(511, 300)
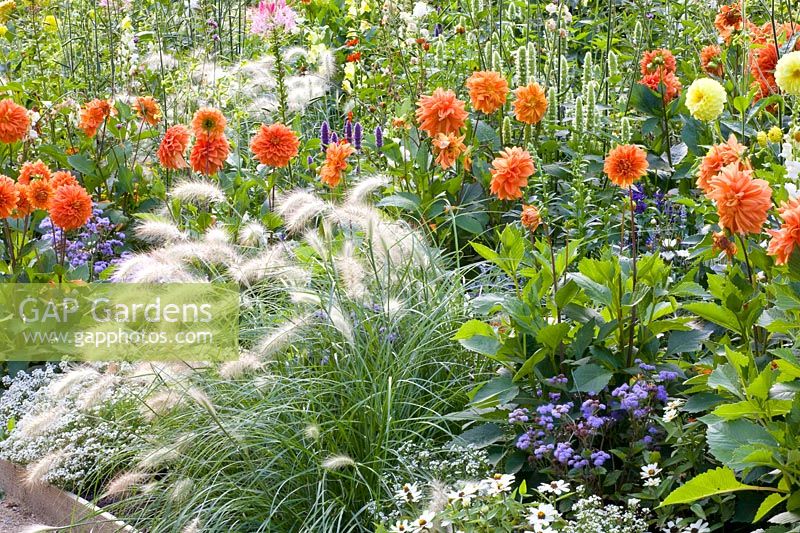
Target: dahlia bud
(722, 243)
(530, 217)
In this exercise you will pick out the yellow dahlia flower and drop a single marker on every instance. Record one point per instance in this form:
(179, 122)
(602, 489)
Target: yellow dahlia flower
(775, 134)
(762, 138)
(706, 99)
(6, 7)
(787, 73)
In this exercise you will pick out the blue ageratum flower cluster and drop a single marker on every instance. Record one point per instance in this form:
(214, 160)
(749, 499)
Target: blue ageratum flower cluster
(565, 431)
(98, 244)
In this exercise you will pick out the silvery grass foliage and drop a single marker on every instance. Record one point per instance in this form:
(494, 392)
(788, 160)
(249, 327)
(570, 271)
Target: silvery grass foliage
(349, 356)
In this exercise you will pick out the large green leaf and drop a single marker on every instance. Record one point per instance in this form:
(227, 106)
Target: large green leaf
(479, 437)
(769, 503)
(477, 336)
(730, 442)
(718, 481)
(714, 313)
(590, 378)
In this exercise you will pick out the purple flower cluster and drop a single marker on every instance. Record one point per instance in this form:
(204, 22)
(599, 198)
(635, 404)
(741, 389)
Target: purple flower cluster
(637, 398)
(565, 430)
(353, 134)
(98, 244)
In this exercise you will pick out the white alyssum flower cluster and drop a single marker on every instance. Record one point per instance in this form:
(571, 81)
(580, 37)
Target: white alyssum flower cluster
(593, 515)
(64, 422)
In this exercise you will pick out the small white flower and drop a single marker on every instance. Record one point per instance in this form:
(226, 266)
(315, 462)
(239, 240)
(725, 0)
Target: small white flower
(408, 493)
(542, 515)
(650, 470)
(420, 10)
(424, 522)
(542, 529)
(498, 484)
(697, 527)
(557, 487)
(671, 527)
(670, 415)
(465, 495)
(652, 482)
(402, 526)
(633, 502)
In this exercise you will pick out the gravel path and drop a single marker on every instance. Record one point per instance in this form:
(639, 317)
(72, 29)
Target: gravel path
(14, 517)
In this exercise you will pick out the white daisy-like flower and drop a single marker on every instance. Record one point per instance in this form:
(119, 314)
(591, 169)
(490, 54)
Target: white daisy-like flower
(557, 487)
(697, 527)
(671, 527)
(652, 482)
(542, 515)
(498, 484)
(402, 526)
(424, 522)
(650, 470)
(670, 415)
(465, 494)
(408, 493)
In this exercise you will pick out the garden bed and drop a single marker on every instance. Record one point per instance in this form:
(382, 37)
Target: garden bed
(56, 507)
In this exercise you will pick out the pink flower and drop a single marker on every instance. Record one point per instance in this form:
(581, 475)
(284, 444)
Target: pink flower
(270, 15)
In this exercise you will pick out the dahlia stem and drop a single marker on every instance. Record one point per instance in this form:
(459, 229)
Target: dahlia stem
(633, 289)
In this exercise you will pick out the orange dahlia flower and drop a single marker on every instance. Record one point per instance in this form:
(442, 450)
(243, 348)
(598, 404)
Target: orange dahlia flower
(440, 112)
(9, 196)
(33, 170)
(24, 207)
(275, 145)
(335, 162)
(717, 157)
(40, 193)
(208, 122)
(742, 201)
(671, 84)
(510, 172)
(14, 121)
(148, 110)
(728, 20)
(625, 164)
(62, 177)
(530, 217)
(209, 154)
(173, 146)
(711, 60)
(487, 91)
(93, 115)
(785, 239)
(530, 104)
(658, 60)
(70, 207)
(448, 147)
